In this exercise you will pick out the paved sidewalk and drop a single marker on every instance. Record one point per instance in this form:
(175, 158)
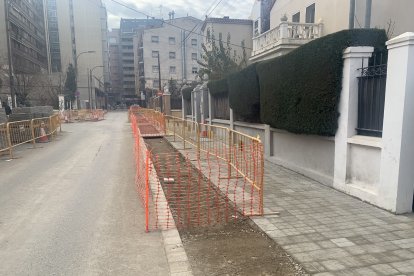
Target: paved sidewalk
(331, 233)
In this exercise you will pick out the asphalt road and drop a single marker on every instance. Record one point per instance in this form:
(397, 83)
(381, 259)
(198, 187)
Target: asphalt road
(69, 207)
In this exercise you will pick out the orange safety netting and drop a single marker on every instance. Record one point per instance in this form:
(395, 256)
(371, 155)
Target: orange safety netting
(197, 188)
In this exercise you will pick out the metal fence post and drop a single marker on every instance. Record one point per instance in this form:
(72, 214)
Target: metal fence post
(230, 134)
(50, 128)
(173, 120)
(198, 139)
(184, 127)
(147, 191)
(33, 133)
(9, 140)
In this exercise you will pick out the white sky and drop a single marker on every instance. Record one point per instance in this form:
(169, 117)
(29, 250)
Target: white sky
(160, 8)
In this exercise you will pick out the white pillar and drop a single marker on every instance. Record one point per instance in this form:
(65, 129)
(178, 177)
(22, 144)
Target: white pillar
(397, 157)
(348, 109)
(184, 108)
(210, 108)
(231, 119)
(268, 142)
(284, 29)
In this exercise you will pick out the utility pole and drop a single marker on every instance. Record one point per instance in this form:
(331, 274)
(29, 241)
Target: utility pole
(9, 53)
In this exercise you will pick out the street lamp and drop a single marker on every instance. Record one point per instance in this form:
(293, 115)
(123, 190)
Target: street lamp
(90, 84)
(76, 73)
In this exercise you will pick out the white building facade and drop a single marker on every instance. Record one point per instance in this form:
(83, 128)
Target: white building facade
(177, 47)
(296, 22)
(83, 42)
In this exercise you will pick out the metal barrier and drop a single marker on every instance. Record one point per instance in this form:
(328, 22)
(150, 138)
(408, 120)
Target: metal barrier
(70, 116)
(150, 122)
(243, 153)
(220, 181)
(13, 134)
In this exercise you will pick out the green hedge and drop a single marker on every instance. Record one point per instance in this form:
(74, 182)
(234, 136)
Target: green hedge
(300, 91)
(218, 87)
(244, 93)
(186, 92)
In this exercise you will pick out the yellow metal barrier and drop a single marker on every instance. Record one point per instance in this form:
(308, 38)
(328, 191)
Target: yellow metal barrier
(242, 153)
(13, 134)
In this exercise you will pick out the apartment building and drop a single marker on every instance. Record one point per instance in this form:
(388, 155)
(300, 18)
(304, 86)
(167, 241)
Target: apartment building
(82, 41)
(130, 28)
(23, 40)
(114, 94)
(240, 30)
(173, 48)
(295, 22)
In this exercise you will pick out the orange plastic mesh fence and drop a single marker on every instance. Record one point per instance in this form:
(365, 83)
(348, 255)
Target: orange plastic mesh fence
(82, 115)
(151, 123)
(219, 182)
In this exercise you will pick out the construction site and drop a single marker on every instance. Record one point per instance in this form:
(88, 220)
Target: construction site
(206, 182)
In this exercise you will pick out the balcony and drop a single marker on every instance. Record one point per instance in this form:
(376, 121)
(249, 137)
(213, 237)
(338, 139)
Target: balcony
(283, 39)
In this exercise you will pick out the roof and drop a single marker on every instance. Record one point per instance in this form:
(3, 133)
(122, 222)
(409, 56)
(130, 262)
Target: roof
(226, 20)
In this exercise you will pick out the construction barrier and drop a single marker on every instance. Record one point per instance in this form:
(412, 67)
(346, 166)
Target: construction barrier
(151, 123)
(219, 181)
(70, 116)
(33, 131)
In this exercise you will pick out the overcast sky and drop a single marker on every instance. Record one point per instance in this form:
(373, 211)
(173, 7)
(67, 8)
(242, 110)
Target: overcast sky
(161, 8)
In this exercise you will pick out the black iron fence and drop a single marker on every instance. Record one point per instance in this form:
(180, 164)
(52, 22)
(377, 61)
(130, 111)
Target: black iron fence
(371, 95)
(176, 103)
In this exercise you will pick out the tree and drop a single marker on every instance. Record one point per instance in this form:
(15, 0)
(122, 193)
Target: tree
(70, 83)
(218, 61)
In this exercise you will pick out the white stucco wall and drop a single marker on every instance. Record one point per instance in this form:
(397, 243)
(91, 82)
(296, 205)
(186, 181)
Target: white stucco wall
(335, 13)
(309, 155)
(365, 175)
(238, 33)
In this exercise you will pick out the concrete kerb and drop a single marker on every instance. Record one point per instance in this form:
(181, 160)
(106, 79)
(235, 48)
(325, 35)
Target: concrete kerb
(176, 256)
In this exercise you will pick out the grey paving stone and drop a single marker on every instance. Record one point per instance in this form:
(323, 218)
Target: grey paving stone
(333, 265)
(326, 229)
(384, 269)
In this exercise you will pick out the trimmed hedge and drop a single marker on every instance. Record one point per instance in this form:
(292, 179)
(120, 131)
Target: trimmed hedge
(300, 91)
(244, 93)
(218, 87)
(186, 92)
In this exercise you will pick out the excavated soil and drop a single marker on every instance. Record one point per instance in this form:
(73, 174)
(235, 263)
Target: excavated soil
(234, 247)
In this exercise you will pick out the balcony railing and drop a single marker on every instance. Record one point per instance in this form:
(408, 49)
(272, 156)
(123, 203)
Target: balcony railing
(286, 33)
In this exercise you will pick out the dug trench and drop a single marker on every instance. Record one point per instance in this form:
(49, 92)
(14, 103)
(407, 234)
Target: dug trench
(227, 247)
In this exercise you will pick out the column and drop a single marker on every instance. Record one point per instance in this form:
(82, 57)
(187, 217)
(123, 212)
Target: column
(397, 157)
(348, 109)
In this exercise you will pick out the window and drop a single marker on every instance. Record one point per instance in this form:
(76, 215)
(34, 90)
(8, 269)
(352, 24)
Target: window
(172, 70)
(155, 84)
(155, 54)
(172, 55)
(310, 14)
(155, 39)
(256, 27)
(155, 69)
(296, 17)
(194, 56)
(194, 42)
(171, 40)
(194, 70)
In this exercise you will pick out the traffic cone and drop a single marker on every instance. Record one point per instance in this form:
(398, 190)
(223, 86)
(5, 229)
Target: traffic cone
(43, 137)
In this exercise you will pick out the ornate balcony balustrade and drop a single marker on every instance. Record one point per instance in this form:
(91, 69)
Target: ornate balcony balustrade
(286, 33)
